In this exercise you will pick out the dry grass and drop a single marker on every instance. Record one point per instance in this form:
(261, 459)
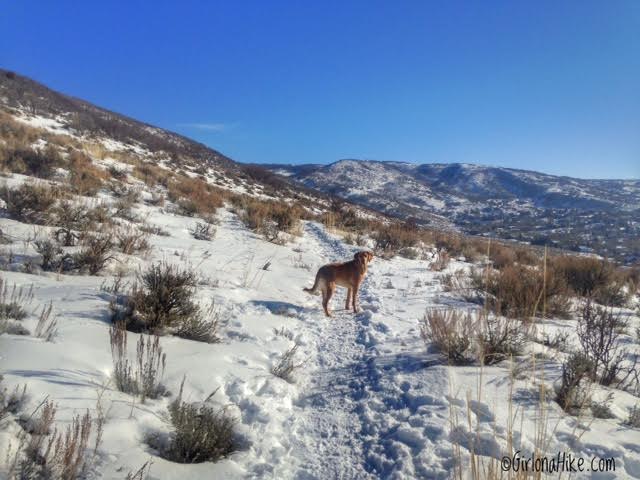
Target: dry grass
(285, 367)
(44, 452)
(452, 333)
(47, 326)
(142, 377)
(194, 196)
(85, 178)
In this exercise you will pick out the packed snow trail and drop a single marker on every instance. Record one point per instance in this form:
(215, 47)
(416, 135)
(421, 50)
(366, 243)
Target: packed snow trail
(370, 409)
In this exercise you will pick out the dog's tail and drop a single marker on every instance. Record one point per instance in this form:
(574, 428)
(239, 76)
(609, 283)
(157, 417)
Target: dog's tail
(314, 290)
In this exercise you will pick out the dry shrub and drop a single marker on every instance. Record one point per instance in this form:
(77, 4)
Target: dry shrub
(162, 301)
(634, 417)
(389, 239)
(117, 173)
(165, 297)
(52, 256)
(14, 301)
(145, 375)
(201, 433)
(142, 473)
(519, 291)
(49, 453)
(152, 175)
(72, 220)
(452, 333)
(131, 241)
(123, 206)
(85, 178)
(269, 218)
(11, 402)
(573, 393)
(598, 331)
(94, 254)
(202, 231)
(454, 244)
(441, 261)
(32, 162)
(194, 196)
(500, 338)
(47, 326)
(502, 256)
(584, 275)
(30, 202)
(287, 365)
(202, 327)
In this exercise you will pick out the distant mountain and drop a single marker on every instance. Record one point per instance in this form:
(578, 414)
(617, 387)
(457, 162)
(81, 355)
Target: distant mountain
(585, 215)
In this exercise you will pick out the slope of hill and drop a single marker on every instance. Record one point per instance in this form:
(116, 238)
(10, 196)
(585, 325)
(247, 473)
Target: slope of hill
(589, 215)
(153, 320)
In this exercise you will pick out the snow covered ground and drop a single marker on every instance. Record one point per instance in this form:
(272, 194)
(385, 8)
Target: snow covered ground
(369, 401)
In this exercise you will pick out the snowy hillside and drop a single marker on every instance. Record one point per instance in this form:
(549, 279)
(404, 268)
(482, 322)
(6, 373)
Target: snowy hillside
(153, 323)
(367, 401)
(598, 215)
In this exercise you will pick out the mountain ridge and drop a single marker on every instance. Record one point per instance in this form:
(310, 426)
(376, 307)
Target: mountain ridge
(510, 203)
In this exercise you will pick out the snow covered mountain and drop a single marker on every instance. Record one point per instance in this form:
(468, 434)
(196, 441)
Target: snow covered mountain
(597, 215)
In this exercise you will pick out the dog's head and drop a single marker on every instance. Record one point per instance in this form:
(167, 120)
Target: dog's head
(363, 257)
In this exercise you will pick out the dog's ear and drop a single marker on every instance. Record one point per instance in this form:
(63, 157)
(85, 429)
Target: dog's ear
(359, 257)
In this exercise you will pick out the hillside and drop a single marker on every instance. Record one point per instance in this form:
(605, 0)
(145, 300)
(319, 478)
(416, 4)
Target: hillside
(153, 323)
(601, 216)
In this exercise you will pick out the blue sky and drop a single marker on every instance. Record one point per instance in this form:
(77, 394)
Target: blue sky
(543, 85)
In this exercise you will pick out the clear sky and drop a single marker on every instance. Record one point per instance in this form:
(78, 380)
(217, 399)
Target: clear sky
(543, 85)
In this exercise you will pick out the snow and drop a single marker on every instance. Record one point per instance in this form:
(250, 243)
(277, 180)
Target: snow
(54, 125)
(369, 402)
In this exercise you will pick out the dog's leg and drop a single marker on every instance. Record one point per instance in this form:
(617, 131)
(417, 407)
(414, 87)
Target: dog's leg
(346, 305)
(355, 297)
(331, 288)
(324, 302)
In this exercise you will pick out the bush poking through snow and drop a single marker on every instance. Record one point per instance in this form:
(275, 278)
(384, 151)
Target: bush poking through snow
(601, 409)
(162, 302)
(500, 338)
(30, 202)
(165, 299)
(441, 261)
(287, 365)
(634, 417)
(95, 253)
(11, 403)
(52, 257)
(47, 327)
(132, 241)
(201, 433)
(202, 327)
(142, 473)
(451, 332)
(49, 453)
(521, 292)
(598, 332)
(202, 231)
(13, 301)
(71, 219)
(573, 393)
(144, 376)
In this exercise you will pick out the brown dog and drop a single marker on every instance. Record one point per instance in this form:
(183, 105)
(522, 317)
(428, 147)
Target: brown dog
(349, 275)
